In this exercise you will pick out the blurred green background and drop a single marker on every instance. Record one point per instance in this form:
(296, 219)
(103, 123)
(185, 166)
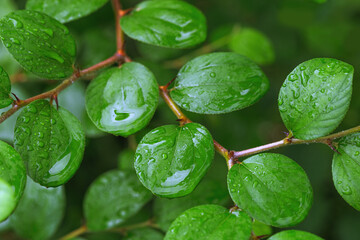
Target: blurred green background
(298, 31)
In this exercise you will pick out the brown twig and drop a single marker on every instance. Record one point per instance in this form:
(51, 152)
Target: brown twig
(67, 82)
(77, 232)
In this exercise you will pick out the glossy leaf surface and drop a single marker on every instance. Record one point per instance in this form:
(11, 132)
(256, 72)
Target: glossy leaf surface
(219, 83)
(315, 97)
(50, 142)
(122, 100)
(171, 160)
(166, 23)
(5, 89)
(39, 212)
(65, 10)
(12, 179)
(294, 235)
(210, 222)
(271, 188)
(112, 198)
(346, 169)
(41, 44)
(252, 44)
(208, 192)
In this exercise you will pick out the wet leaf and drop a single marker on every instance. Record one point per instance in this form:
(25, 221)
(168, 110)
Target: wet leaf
(219, 83)
(171, 160)
(271, 188)
(12, 179)
(39, 212)
(208, 192)
(112, 198)
(5, 89)
(294, 235)
(252, 44)
(50, 142)
(315, 97)
(122, 100)
(346, 169)
(65, 10)
(166, 23)
(39, 43)
(210, 222)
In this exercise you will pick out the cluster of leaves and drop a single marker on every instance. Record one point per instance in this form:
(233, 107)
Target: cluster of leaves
(170, 160)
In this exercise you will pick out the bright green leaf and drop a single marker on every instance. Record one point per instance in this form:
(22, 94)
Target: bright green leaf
(252, 44)
(259, 228)
(112, 198)
(5, 89)
(122, 100)
(166, 23)
(65, 10)
(50, 142)
(39, 212)
(315, 97)
(208, 192)
(346, 169)
(210, 222)
(219, 83)
(294, 235)
(144, 234)
(7, 200)
(39, 43)
(12, 179)
(171, 160)
(271, 188)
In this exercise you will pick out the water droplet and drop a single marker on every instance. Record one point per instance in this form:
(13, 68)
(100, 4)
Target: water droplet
(357, 153)
(296, 93)
(48, 31)
(40, 144)
(52, 121)
(25, 119)
(322, 90)
(8, 44)
(164, 156)
(302, 68)
(293, 77)
(280, 101)
(54, 56)
(120, 115)
(44, 113)
(212, 74)
(14, 40)
(346, 190)
(17, 24)
(31, 109)
(138, 157)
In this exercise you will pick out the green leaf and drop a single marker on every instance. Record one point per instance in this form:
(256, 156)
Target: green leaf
(7, 200)
(346, 169)
(171, 160)
(65, 10)
(219, 83)
(122, 100)
(259, 228)
(166, 23)
(294, 235)
(5, 89)
(315, 97)
(271, 188)
(210, 222)
(112, 198)
(252, 44)
(50, 142)
(12, 179)
(208, 192)
(144, 234)
(39, 212)
(39, 43)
